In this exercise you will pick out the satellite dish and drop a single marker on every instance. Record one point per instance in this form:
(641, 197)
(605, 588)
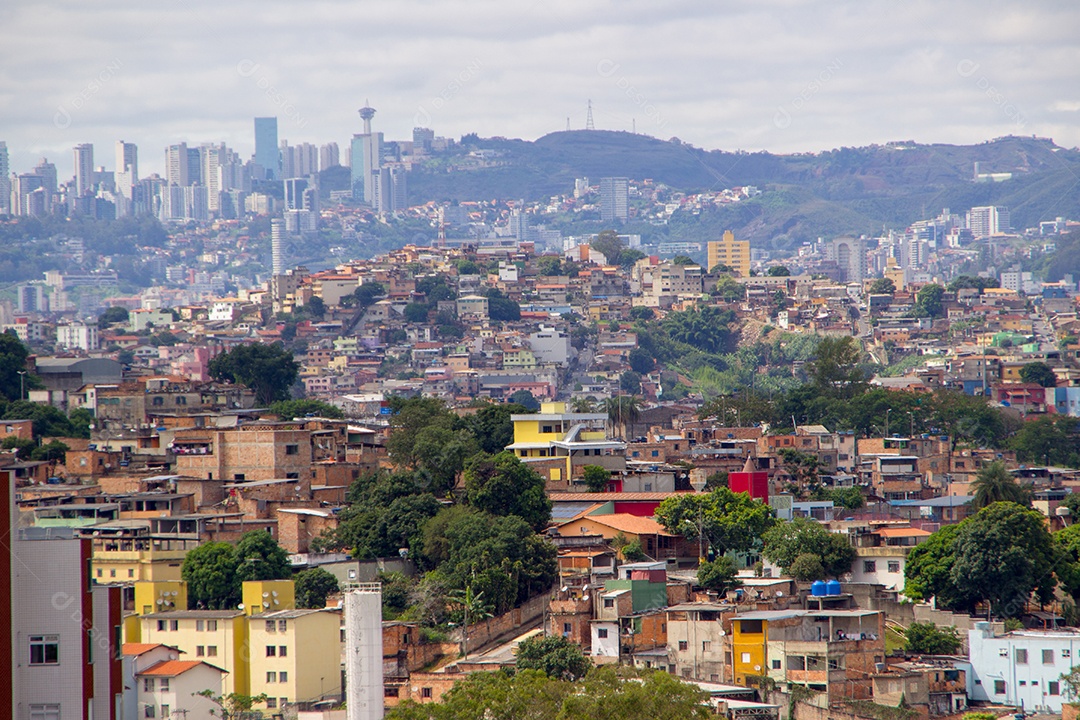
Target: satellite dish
(266, 604)
(266, 594)
(584, 597)
(240, 606)
(758, 668)
(779, 593)
(160, 601)
(274, 593)
(276, 601)
(563, 589)
(722, 633)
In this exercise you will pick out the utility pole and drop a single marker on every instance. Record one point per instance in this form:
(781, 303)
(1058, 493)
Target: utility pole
(22, 384)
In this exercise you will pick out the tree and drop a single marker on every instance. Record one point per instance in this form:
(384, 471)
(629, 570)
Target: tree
(555, 656)
(929, 639)
(113, 316)
(269, 370)
(632, 552)
(629, 256)
(928, 301)
(729, 289)
(210, 573)
(719, 575)
(441, 454)
(836, 372)
(882, 286)
(48, 421)
(642, 313)
(682, 260)
(259, 557)
(313, 586)
(548, 265)
(13, 355)
(623, 411)
(234, 706)
(850, 498)
(807, 567)
(492, 426)
(928, 571)
(596, 478)
(608, 244)
(503, 485)
(641, 361)
(525, 399)
(786, 541)
(289, 409)
(1039, 373)
(630, 382)
(728, 521)
(408, 417)
(473, 607)
(778, 271)
(502, 308)
(994, 483)
(1049, 440)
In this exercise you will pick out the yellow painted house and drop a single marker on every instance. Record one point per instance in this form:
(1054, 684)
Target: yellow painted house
(295, 656)
(219, 637)
(748, 640)
(133, 558)
(576, 439)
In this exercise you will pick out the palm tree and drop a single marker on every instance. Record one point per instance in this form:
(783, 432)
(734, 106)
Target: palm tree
(623, 411)
(581, 405)
(474, 607)
(994, 483)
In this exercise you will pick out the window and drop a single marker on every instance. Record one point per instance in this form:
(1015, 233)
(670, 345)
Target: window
(150, 711)
(776, 664)
(1021, 656)
(112, 572)
(683, 645)
(131, 572)
(391, 692)
(283, 677)
(1066, 653)
(894, 566)
(999, 687)
(161, 625)
(211, 650)
(44, 712)
(282, 625)
(1048, 657)
(211, 625)
(100, 572)
(271, 626)
(567, 628)
(1053, 687)
(282, 651)
(44, 649)
(271, 651)
(609, 602)
(271, 703)
(869, 566)
(425, 693)
(166, 711)
(292, 449)
(148, 684)
(745, 658)
(282, 702)
(601, 632)
(200, 651)
(200, 625)
(271, 677)
(239, 476)
(751, 627)
(174, 625)
(294, 476)
(706, 646)
(796, 662)
(164, 688)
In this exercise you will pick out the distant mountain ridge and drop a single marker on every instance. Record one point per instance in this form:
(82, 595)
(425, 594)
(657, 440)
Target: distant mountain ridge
(845, 190)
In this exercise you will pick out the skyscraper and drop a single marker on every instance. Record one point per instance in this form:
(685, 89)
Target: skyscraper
(365, 159)
(127, 175)
(614, 198)
(210, 159)
(730, 252)
(329, 156)
(176, 165)
(277, 250)
(5, 182)
(84, 168)
(987, 221)
(266, 147)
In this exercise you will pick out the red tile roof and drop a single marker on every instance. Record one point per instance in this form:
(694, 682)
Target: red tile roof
(172, 668)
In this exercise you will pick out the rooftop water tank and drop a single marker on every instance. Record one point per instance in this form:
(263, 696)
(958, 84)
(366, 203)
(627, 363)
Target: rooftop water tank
(832, 587)
(817, 588)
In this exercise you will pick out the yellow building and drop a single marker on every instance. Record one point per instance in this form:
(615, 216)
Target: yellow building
(154, 597)
(748, 638)
(219, 637)
(139, 557)
(731, 252)
(576, 439)
(295, 656)
(267, 596)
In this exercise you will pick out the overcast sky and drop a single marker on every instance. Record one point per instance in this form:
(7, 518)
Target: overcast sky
(777, 75)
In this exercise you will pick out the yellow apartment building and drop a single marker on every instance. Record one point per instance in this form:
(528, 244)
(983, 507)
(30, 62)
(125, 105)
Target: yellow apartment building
(295, 656)
(267, 596)
(219, 637)
(577, 439)
(133, 555)
(731, 252)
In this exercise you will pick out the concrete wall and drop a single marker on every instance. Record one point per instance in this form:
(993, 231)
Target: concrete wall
(503, 625)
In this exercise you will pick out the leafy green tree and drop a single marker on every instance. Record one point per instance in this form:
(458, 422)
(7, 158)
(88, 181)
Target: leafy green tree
(53, 451)
(549, 265)
(1048, 440)
(633, 552)
(786, 541)
(491, 425)
(928, 571)
(48, 421)
(1039, 373)
(596, 478)
(850, 498)
(364, 296)
(807, 567)
(623, 411)
(525, 399)
(970, 281)
(313, 586)
(928, 301)
(503, 485)
(416, 312)
(609, 245)
(113, 316)
(441, 454)
(778, 271)
(502, 308)
(994, 483)
(682, 260)
(630, 382)
(629, 256)
(234, 706)
(729, 289)
(269, 370)
(706, 329)
(837, 371)
(641, 313)
(289, 409)
(929, 639)
(719, 575)
(555, 656)
(409, 416)
(259, 557)
(384, 519)
(882, 286)
(210, 573)
(13, 355)
(728, 521)
(641, 361)
(473, 607)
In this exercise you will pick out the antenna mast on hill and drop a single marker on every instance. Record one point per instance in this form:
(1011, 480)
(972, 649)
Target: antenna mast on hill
(588, 119)
(567, 123)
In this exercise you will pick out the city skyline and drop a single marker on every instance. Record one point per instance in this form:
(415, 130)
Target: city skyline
(779, 76)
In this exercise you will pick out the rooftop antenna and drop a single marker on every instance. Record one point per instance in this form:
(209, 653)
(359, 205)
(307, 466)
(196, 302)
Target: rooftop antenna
(366, 113)
(588, 119)
(567, 123)
(633, 125)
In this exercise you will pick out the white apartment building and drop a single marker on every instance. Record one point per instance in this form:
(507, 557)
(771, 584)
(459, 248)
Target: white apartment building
(1023, 667)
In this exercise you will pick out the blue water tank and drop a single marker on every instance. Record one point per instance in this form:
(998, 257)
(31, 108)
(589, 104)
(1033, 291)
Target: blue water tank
(817, 588)
(832, 587)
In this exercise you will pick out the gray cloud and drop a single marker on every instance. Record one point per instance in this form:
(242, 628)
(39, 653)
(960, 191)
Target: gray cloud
(779, 75)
